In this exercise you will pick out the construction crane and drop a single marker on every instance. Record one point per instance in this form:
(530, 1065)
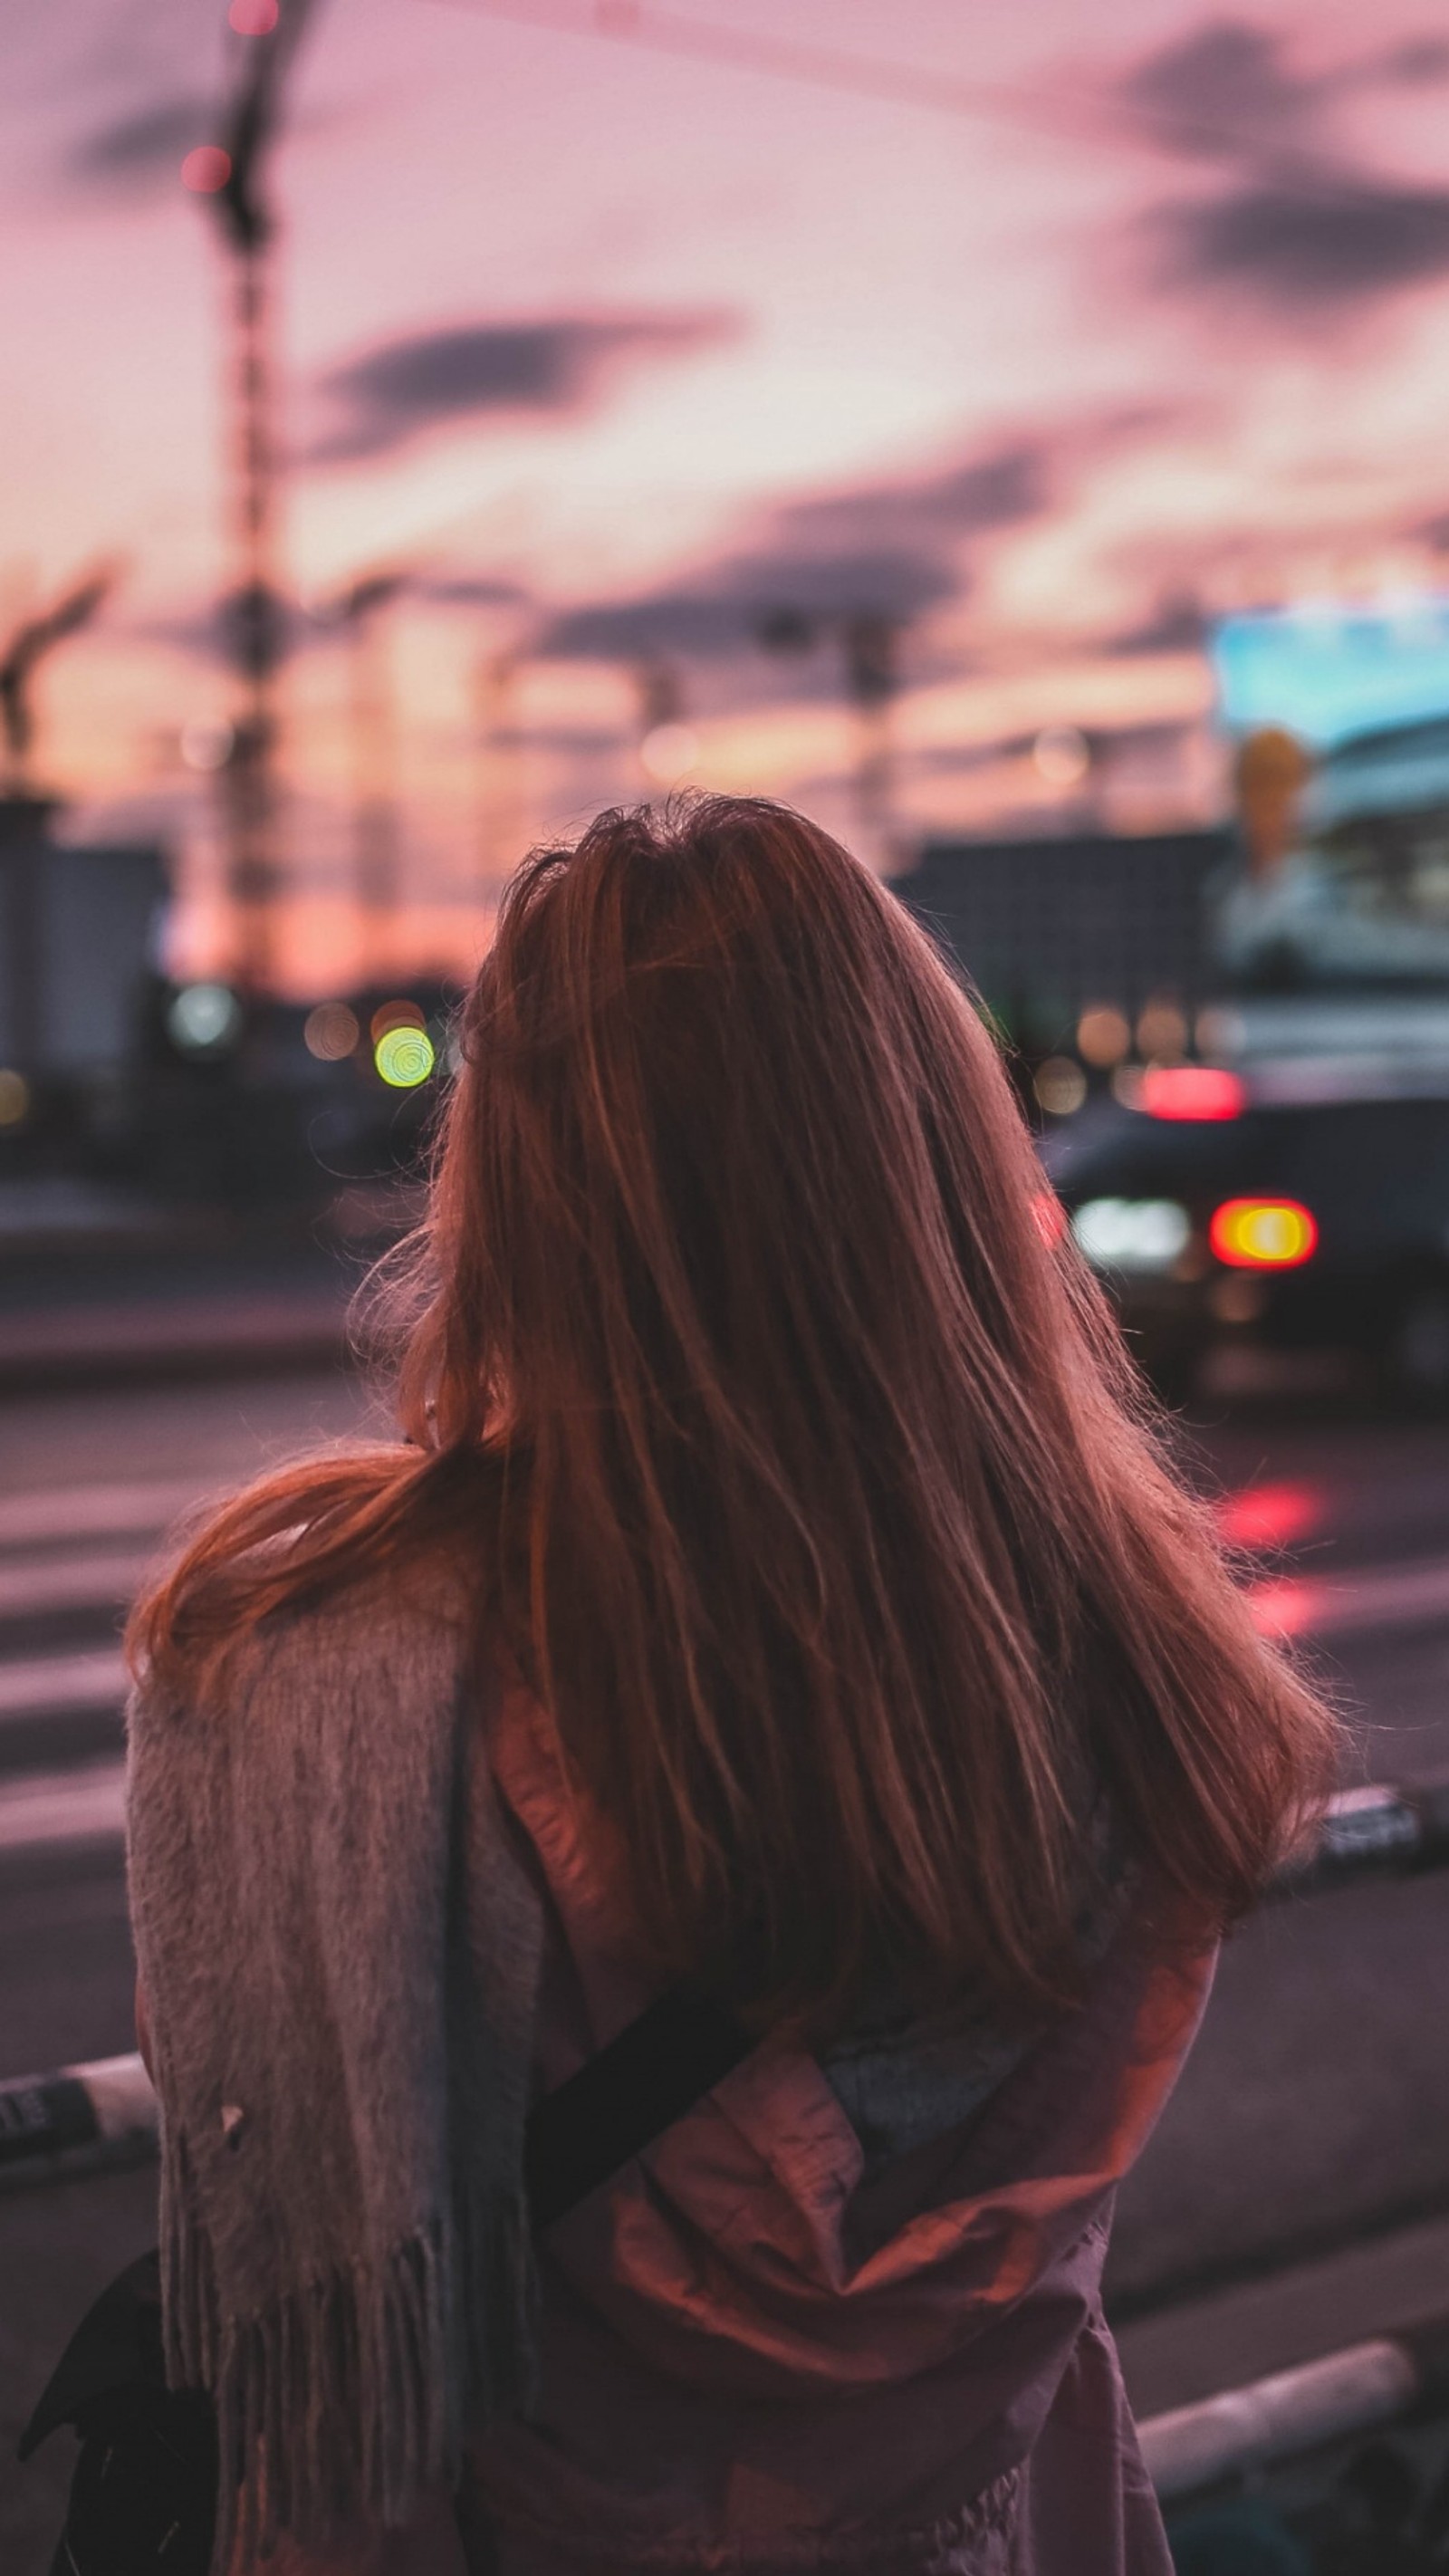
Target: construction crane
(869, 641)
(502, 830)
(357, 612)
(26, 648)
(231, 174)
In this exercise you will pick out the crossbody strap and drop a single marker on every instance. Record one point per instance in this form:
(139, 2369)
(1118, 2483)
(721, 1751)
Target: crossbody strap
(626, 2095)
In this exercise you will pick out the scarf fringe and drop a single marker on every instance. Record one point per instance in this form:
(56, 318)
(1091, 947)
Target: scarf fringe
(341, 2402)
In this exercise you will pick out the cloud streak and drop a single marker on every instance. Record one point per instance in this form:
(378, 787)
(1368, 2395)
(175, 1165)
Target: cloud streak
(1227, 90)
(1299, 228)
(892, 549)
(1305, 246)
(146, 144)
(462, 371)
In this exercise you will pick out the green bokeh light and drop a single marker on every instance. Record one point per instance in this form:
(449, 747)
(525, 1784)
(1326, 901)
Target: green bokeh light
(404, 1058)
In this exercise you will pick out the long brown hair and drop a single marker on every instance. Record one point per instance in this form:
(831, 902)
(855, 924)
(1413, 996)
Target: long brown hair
(791, 1446)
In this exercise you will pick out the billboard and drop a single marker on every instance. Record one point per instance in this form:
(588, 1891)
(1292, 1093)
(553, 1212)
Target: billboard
(1329, 669)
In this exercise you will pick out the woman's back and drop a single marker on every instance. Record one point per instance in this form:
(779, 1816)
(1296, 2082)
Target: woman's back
(775, 2342)
(761, 1421)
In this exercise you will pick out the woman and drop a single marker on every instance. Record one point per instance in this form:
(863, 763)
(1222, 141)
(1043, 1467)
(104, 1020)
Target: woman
(777, 1588)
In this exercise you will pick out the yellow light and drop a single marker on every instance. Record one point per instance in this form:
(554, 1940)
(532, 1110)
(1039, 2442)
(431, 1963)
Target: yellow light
(1263, 1234)
(14, 1096)
(404, 1057)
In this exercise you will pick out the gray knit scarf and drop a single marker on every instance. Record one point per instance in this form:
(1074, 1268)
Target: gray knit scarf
(339, 1945)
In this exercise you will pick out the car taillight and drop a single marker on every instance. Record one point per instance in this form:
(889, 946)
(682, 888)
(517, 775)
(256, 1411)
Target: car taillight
(1192, 1091)
(1263, 1234)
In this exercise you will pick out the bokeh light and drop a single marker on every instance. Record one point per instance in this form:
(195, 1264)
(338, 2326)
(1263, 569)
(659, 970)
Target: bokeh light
(252, 17)
(206, 170)
(1271, 1515)
(1103, 1034)
(1193, 1091)
(1132, 1234)
(401, 1014)
(1060, 1086)
(404, 1057)
(1263, 1234)
(1061, 755)
(1162, 1030)
(14, 1097)
(331, 1032)
(204, 1018)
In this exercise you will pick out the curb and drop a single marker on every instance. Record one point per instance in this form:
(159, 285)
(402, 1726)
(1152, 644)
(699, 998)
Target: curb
(75, 2120)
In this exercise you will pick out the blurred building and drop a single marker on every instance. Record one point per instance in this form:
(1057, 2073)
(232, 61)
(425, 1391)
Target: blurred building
(1361, 898)
(79, 931)
(1050, 928)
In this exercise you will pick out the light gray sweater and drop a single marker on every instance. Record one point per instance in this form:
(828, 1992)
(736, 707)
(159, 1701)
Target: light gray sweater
(339, 1945)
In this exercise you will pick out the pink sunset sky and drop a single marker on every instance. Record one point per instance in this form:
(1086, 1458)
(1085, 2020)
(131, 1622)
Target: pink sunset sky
(1049, 331)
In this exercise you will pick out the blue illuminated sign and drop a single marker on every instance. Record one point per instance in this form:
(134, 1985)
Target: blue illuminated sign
(1328, 670)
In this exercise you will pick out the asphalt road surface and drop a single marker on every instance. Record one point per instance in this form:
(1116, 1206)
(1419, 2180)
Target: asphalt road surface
(1297, 2194)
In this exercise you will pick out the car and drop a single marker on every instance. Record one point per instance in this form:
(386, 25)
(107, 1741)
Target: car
(1287, 1203)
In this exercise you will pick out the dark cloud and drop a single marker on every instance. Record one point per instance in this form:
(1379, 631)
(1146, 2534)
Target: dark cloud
(994, 491)
(1299, 228)
(721, 616)
(881, 549)
(1174, 625)
(473, 590)
(1418, 58)
(1222, 88)
(1228, 89)
(142, 145)
(405, 385)
(1306, 246)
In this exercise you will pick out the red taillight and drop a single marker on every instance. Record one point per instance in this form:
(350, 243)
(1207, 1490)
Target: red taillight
(1192, 1091)
(1263, 1234)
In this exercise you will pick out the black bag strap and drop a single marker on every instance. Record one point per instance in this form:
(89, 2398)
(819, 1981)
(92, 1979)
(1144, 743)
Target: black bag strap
(627, 2095)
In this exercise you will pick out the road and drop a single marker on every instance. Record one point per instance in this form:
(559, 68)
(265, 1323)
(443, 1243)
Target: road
(1297, 2193)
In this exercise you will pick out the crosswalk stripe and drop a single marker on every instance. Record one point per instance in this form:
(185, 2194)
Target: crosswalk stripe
(42, 1808)
(62, 1512)
(71, 1583)
(42, 1683)
(1343, 1605)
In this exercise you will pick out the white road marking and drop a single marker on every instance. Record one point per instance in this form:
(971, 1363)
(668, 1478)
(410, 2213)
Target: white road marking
(43, 1683)
(94, 1511)
(71, 1583)
(42, 1808)
(1343, 1605)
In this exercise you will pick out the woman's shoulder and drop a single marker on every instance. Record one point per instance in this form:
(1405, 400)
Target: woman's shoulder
(322, 1586)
